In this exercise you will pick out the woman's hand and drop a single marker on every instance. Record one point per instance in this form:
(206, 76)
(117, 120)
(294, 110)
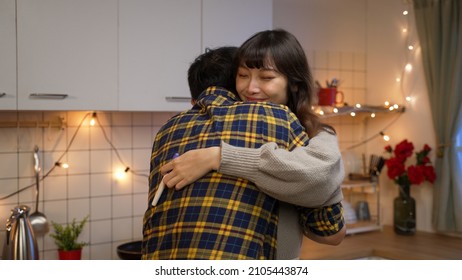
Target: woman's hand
(190, 166)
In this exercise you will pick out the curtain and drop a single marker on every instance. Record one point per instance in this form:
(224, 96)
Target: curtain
(439, 28)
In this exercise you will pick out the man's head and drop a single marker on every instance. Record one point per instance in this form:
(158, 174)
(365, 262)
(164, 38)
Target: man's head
(215, 67)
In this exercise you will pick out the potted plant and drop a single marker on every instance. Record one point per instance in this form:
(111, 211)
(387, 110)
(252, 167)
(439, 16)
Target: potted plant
(66, 239)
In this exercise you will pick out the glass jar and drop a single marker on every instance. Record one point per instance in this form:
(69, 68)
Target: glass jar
(404, 212)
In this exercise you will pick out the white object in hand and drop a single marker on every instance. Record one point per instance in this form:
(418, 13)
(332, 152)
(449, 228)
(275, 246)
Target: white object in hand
(161, 187)
(159, 192)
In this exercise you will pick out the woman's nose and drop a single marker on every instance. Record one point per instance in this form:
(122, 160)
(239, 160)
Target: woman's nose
(254, 86)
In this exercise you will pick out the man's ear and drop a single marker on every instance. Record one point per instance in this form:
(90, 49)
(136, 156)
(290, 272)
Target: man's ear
(193, 102)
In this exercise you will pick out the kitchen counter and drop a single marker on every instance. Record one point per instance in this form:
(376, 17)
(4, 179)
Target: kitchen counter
(388, 245)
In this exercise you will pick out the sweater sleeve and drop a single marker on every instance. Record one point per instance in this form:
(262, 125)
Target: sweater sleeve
(308, 176)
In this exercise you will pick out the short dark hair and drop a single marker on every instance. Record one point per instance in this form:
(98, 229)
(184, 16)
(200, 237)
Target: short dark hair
(215, 67)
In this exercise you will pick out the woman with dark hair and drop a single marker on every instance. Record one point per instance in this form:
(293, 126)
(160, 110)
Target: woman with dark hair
(272, 67)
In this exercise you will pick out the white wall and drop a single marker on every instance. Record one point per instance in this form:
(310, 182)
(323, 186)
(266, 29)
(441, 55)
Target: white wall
(373, 29)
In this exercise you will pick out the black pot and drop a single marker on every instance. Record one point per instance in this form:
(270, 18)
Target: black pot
(130, 250)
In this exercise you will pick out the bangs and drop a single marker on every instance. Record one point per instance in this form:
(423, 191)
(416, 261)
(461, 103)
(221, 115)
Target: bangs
(255, 57)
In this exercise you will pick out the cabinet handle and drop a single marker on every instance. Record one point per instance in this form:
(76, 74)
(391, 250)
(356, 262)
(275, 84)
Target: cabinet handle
(177, 99)
(2, 94)
(48, 95)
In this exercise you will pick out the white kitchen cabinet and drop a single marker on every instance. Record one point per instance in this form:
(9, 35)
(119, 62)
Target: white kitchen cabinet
(159, 39)
(67, 54)
(157, 42)
(230, 23)
(8, 55)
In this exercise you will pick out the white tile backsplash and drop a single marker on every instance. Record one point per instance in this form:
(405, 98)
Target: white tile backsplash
(122, 206)
(88, 187)
(54, 188)
(101, 207)
(100, 185)
(78, 186)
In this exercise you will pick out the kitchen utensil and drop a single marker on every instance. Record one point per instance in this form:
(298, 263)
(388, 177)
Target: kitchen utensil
(20, 242)
(363, 211)
(375, 165)
(130, 251)
(37, 219)
(161, 187)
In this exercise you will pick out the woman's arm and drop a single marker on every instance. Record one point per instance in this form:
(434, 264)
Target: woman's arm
(307, 176)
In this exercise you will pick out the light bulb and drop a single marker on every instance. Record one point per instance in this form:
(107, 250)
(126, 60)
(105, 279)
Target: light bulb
(372, 115)
(321, 113)
(335, 110)
(410, 47)
(408, 67)
(408, 98)
(358, 105)
(384, 136)
(352, 114)
(93, 119)
(120, 174)
(387, 103)
(62, 165)
(405, 13)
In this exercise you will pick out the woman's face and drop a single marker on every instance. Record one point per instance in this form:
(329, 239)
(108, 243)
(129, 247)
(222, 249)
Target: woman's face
(261, 84)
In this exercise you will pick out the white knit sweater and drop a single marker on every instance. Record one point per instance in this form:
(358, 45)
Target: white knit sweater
(307, 176)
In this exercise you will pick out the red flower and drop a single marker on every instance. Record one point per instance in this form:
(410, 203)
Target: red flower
(429, 173)
(388, 148)
(404, 149)
(425, 160)
(395, 167)
(416, 174)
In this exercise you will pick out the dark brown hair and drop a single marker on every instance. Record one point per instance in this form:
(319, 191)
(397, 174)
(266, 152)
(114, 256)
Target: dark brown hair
(280, 49)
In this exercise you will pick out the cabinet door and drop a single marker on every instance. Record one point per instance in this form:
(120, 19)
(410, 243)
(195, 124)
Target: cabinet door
(157, 42)
(7, 55)
(232, 22)
(67, 47)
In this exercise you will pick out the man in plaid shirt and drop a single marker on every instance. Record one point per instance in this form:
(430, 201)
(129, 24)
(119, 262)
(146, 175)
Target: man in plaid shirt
(218, 216)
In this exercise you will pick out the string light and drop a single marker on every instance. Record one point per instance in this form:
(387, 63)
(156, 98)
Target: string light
(120, 174)
(62, 164)
(93, 119)
(384, 136)
(372, 115)
(408, 67)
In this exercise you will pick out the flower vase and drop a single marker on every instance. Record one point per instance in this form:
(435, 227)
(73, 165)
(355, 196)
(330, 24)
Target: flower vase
(404, 212)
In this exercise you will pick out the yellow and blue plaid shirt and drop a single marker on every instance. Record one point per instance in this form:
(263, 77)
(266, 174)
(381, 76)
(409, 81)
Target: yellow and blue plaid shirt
(218, 216)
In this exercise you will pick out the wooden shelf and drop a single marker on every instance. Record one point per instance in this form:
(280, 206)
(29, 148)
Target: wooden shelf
(330, 111)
